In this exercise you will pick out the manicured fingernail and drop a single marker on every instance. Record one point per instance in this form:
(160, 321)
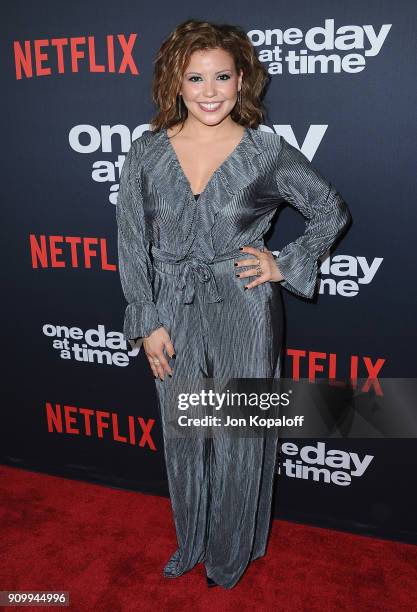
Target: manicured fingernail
(240, 248)
(174, 356)
(238, 275)
(235, 264)
(245, 288)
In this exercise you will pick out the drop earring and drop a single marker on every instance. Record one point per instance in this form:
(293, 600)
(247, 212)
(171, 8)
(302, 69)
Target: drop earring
(179, 106)
(239, 94)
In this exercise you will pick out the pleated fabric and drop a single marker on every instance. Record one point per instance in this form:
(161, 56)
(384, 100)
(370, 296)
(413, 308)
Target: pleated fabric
(176, 255)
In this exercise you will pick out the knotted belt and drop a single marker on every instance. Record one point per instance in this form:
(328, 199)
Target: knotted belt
(192, 269)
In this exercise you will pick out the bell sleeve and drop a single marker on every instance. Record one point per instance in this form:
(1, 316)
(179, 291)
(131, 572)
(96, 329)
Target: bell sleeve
(325, 213)
(134, 263)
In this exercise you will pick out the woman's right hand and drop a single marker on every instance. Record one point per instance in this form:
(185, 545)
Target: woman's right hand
(154, 346)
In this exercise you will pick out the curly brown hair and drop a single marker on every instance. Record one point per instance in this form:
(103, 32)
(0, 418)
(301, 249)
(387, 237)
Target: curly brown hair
(173, 57)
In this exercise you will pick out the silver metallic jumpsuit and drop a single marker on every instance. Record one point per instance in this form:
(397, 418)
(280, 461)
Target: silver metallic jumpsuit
(176, 265)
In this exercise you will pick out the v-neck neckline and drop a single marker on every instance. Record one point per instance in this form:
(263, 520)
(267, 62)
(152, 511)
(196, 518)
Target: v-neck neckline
(214, 173)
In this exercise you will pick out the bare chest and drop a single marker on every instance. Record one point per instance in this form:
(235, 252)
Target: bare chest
(199, 162)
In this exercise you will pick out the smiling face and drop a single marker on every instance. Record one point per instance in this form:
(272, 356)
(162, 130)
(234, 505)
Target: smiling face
(210, 85)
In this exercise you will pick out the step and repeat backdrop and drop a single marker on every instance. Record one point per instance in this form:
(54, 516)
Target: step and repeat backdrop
(76, 91)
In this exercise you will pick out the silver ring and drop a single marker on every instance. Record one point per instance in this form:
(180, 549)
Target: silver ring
(258, 270)
(156, 362)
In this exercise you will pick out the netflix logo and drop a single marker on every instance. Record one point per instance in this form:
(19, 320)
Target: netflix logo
(100, 424)
(339, 369)
(69, 252)
(47, 57)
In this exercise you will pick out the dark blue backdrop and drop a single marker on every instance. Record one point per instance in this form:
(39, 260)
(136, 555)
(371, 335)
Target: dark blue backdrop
(73, 398)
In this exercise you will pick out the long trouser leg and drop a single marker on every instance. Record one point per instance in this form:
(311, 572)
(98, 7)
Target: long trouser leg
(242, 468)
(187, 458)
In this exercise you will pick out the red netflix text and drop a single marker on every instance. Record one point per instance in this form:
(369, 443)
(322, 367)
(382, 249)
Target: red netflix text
(310, 364)
(44, 57)
(69, 252)
(99, 423)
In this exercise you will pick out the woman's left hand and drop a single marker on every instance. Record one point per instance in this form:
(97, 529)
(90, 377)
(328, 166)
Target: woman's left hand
(268, 267)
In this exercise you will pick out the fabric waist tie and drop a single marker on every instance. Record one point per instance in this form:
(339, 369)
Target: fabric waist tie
(191, 269)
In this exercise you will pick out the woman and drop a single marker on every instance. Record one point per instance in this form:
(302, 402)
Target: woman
(197, 194)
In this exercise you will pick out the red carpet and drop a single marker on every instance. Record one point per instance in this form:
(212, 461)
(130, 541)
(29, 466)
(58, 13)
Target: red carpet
(107, 547)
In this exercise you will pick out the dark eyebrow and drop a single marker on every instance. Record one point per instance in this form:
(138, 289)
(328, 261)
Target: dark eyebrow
(225, 70)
